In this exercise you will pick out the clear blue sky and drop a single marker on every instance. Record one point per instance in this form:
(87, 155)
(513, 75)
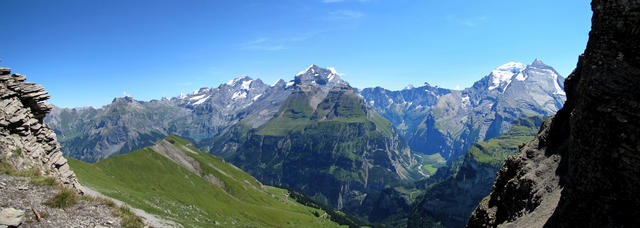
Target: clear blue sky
(86, 52)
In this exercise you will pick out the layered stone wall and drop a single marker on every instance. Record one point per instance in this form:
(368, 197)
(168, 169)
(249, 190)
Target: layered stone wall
(25, 141)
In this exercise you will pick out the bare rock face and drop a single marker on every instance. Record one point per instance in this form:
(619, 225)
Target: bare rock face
(11, 217)
(582, 169)
(25, 141)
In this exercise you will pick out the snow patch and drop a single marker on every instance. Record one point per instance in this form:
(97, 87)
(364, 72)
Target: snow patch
(233, 81)
(333, 70)
(559, 90)
(256, 97)
(465, 99)
(521, 77)
(504, 73)
(197, 97)
(275, 83)
(246, 84)
(201, 100)
(307, 70)
(238, 95)
(182, 96)
(289, 84)
(334, 74)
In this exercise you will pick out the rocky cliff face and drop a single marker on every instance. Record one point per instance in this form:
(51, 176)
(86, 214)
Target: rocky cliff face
(25, 141)
(583, 168)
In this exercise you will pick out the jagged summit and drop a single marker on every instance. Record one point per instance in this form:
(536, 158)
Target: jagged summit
(244, 82)
(202, 90)
(537, 62)
(311, 69)
(502, 78)
(315, 75)
(279, 83)
(124, 99)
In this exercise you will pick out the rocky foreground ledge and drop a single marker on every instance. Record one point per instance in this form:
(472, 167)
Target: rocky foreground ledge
(26, 143)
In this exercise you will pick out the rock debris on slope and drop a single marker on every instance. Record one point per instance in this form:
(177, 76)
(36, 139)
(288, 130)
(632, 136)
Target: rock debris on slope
(19, 196)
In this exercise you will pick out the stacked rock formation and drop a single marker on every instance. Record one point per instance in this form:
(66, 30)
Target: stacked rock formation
(25, 141)
(583, 168)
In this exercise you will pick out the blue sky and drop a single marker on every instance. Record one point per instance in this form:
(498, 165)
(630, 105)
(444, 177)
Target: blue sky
(86, 53)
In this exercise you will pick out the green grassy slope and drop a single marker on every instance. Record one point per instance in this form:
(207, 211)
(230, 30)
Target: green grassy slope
(293, 115)
(147, 180)
(494, 151)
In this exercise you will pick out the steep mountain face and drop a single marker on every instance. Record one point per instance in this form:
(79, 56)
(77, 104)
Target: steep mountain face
(451, 201)
(27, 143)
(325, 142)
(582, 169)
(126, 124)
(448, 122)
(178, 182)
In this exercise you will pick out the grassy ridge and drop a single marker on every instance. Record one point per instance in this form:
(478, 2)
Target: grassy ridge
(149, 181)
(494, 151)
(294, 115)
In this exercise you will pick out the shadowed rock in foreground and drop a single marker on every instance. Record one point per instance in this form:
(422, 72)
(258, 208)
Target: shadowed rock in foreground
(583, 168)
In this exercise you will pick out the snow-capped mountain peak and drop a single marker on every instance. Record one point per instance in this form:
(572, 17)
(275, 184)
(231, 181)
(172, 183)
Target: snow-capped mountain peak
(278, 82)
(320, 76)
(310, 69)
(504, 73)
(537, 62)
(234, 81)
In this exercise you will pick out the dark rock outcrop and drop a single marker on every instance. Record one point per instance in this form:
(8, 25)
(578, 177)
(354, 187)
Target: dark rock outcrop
(582, 169)
(25, 141)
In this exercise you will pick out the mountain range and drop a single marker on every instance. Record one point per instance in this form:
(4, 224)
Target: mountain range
(418, 157)
(447, 122)
(431, 119)
(347, 148)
